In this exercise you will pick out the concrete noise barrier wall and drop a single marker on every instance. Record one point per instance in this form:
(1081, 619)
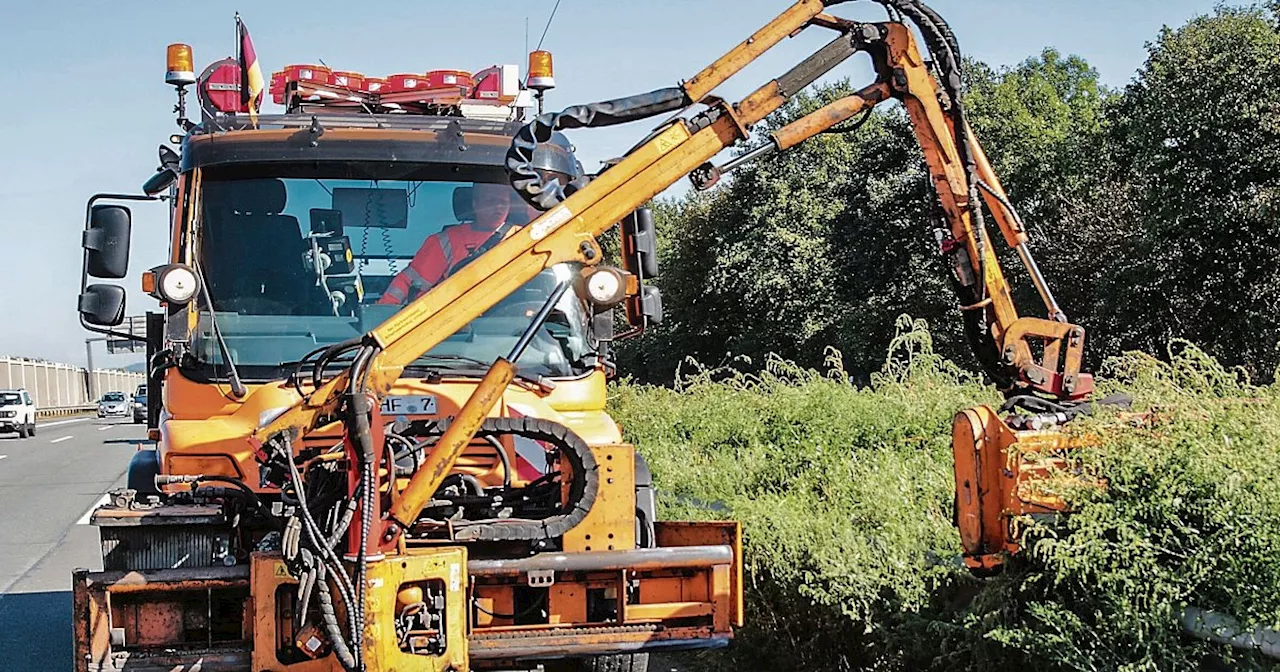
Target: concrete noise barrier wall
(61, 387)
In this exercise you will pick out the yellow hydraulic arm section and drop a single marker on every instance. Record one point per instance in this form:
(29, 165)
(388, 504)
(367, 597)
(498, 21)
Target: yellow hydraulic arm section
(567, 232)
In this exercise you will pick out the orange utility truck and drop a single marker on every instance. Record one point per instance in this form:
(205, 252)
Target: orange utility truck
(378, 375)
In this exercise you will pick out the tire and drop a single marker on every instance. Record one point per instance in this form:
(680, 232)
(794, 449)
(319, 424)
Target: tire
(143, 469)
(31, 428)
(623, 662)
(22, 431)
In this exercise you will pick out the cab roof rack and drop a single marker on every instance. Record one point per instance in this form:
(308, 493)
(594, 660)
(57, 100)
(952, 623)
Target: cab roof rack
(329, 118)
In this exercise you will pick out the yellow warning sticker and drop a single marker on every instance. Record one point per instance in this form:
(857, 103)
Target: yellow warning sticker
(550, 221)
(282, 572)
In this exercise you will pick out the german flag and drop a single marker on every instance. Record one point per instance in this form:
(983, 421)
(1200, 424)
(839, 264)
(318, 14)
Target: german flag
(251, 82)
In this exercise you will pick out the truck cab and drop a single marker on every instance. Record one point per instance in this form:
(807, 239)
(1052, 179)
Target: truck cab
(291, 235)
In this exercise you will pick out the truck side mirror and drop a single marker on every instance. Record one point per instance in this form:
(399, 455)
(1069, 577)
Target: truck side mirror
(102, 305)
(640, 244)
(165, 175)
(106, 242)
(645, 309)
(161, 181)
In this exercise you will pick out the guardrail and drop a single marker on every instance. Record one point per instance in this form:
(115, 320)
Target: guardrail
(63, 411)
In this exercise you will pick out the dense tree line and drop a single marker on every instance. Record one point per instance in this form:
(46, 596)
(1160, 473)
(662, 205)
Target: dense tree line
(1153, 212)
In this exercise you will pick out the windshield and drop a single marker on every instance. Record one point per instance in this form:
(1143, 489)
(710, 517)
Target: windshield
(10, 399)
(297, 263)
(113, 396)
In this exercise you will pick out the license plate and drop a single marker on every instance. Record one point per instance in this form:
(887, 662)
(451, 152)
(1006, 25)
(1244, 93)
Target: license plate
(409, 404)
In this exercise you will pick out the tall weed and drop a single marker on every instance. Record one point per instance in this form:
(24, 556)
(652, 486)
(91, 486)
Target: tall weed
(845, 494)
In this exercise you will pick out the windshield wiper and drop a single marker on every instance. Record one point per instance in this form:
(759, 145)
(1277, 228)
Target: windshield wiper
(482, 367)
(237, 388)
(457, 358)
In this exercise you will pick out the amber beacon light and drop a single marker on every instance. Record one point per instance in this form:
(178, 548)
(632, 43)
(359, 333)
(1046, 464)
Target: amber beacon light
(179, 70)
(541, 72)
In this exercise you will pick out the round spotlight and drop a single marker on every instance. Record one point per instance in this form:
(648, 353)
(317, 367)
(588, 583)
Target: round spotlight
(177, 283)
(605, 286)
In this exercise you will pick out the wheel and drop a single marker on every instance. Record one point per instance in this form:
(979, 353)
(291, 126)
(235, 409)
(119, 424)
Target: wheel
(623, 662)
(22, 431)
(31, 428)
(143, 468)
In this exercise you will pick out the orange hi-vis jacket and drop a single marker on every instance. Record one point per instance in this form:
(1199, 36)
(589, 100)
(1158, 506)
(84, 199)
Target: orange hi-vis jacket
(439, 252)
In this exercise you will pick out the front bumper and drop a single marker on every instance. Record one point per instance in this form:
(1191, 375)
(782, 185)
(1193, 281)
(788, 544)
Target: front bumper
(8, 425)
(112, 413)
(685, 597)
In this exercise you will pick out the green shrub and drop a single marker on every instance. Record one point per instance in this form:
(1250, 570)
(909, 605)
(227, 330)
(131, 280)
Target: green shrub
(845, 494)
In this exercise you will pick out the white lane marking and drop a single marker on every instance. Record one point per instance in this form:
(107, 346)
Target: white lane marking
(3, 456)
(105, 428)
(62, 422)
(84, 520)
(61, 439)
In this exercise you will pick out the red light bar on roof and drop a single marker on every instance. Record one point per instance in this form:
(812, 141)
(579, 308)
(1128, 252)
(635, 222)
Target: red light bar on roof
(316, 74)
(492, 93)
(348, 80)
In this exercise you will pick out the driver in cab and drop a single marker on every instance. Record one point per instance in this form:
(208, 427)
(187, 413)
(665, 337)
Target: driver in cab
(491, 205)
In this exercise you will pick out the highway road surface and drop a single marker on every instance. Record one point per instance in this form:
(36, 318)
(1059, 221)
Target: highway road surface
(48, 485)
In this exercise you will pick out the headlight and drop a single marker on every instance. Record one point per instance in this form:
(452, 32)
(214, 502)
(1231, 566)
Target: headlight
(605, 286)
(139, 405)
(174, 283)
(8, 414)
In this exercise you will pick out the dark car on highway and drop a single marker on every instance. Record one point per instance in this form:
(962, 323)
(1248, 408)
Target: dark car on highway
(140, 404)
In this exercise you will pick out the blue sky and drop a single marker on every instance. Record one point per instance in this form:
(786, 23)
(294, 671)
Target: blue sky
(84, 104)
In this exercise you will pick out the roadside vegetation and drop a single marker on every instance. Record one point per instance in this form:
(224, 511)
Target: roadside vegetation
(845, 495)
(1154, 212)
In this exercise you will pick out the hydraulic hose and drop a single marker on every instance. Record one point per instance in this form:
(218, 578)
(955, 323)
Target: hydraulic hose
(546, 194)
(327, 558)
(582, 491)
(361, 435)
(329, 618)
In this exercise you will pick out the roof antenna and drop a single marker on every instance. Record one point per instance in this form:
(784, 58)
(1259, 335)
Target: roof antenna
(549, 20)
(540, 89)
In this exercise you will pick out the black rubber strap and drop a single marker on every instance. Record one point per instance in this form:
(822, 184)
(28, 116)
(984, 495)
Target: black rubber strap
(545, 195)
(582, 491)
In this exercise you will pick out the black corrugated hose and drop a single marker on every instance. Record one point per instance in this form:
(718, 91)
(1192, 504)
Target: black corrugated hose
(546, 194)
(582, 491)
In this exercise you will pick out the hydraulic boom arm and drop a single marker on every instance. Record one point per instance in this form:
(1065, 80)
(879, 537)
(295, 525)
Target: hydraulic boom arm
(1022, 354)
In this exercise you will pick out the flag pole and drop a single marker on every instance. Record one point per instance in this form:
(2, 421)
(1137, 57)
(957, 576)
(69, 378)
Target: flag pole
(244, 78)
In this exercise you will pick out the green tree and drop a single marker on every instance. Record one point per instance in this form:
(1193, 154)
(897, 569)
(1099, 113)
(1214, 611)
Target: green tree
(1044, 126)
(827, 244)
(1198, 132)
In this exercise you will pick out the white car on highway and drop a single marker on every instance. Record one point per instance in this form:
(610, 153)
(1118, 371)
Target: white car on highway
(17, 413)
(113, 404)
